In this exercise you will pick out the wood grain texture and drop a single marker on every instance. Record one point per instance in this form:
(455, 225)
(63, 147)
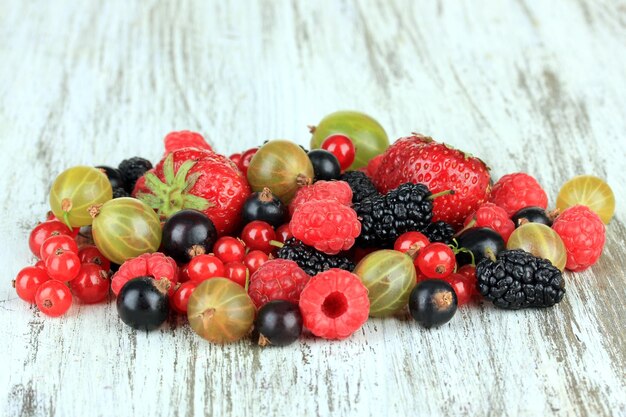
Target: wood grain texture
(532, 86)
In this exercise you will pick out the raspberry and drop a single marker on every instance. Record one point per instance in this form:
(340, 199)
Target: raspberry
(185, 139)
(278, 279)
(155, 265)
(516, 191)
(491, 216)
(322, 190)
(334, 304)
(583, 234)
(327, 225)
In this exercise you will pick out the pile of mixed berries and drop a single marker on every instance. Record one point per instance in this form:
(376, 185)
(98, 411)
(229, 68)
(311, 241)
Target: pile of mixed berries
(278, 240)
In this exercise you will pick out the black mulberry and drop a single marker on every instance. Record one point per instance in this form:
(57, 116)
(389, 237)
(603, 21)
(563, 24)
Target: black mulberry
(132, 169)
(310, 260)
(362, 187)
(439, 232)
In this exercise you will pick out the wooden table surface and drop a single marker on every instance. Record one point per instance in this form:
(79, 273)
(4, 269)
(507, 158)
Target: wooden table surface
(535, 86)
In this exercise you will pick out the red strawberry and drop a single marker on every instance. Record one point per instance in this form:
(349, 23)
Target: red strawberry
(185, 139)
(420, 159)
(192, 178)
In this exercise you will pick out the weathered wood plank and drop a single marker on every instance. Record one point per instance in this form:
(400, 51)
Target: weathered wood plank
(533, 86)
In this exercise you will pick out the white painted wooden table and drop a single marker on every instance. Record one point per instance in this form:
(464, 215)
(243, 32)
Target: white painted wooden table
(527, 85)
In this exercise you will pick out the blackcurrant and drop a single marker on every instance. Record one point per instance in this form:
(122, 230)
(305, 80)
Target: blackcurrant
(531, 215)
(188, 233)
(278, 323)
(325, 165)
(483, 242)
(114, 175)
(433, 302)
(142, 303)
(264, 206)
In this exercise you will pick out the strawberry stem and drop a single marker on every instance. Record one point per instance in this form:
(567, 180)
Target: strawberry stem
(441, 194)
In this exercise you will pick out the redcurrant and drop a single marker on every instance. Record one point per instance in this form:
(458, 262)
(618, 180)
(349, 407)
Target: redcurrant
(469, 271)
(246, 157)
(462, 287)
(180, 299)
(41, 265)
(183, 273)
(91, 285)
(436, 260)
(236, 158)
(43, 231)
(410, 241)
(28, 281)
(91, 255)
(63, 265)
(54, 243)
(342, 147)
(283, 233)
(53, 298)
(257, 235)
(204, 267)
(237, 272)
(254, 260)
(229, 249)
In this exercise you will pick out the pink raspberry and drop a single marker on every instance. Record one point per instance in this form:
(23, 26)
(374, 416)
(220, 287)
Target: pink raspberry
(583, 234)
(277, 279)
(491, 216)
(185, 139)
(322, 190)
(327, 225)
(334, 304)
(155, 265)
(516, 191)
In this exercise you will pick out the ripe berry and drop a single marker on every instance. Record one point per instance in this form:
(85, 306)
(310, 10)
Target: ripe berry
(54, 243)
(185, 139)
(531, 215)
(28, 281)
(91, 285)
(436, 260)
(327, 225)
(142, 303)
(155, 265)
(463, 287)
(278, 279)
(204, 267)
(325, 165)
(583, 234)
(433, 302)
(278, 323)
(41, 265)
(43, 231)
(236, 158)
(246, 157)
(589, 191)
(481, 242)
(257, 235)
(91, 255)
(339, 191)
(63, 265)
(132, 169)
(183, 273)
(180, 299)
(283, 233)
(186, 234)
(334, 304)
(469, 272)
(410, 241)
(492, 216)
(264, 206)
(229, 249)
(53, 298)
(254, 259)
(114, 175)
(342, 147)
(236, 272)
(515, 191)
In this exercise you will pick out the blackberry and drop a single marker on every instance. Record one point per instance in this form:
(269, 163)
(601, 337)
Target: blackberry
(517, 279)
(310, 260)
(439, 232)
(120, 192)
(362, 187)
(383, 218)
(132, 169)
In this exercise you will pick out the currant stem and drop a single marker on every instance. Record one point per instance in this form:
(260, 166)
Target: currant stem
(276, 243)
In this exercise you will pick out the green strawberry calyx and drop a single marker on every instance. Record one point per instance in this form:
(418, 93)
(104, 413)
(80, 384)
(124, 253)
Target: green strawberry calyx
(174, 194)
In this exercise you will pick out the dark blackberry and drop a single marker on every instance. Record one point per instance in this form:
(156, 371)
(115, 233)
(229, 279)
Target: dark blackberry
(120, 192)
(517, 279)
(310, 260)
(383, 218)
(439, 232)
(132, 169)
(362, 187)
